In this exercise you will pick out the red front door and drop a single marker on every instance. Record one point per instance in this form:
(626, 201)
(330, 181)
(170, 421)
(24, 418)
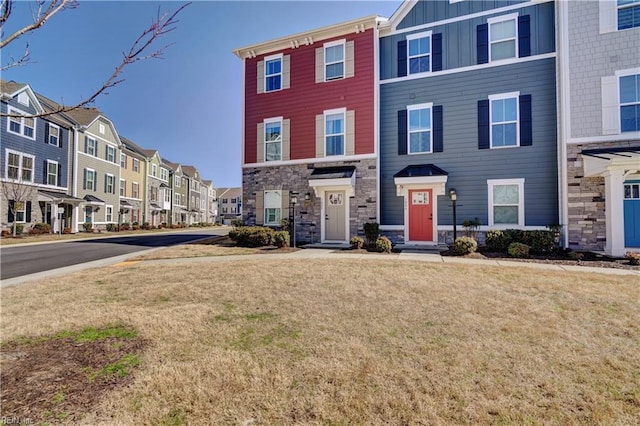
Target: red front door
(420, 215)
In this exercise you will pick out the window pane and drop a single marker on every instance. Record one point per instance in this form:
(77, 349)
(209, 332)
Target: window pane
(505, 194)
(333, 54)
(497, 111)
(273, 67)
(503, 50)
(629, 89)
(272, 199)
(273, 151)
(503, 30)
(630, 118)
(335, 123)
(497, 135)
(629, 17)
(272, 132)
(505, 215)
(510, 109)
(420, 142)
(636, 192)
(14, 124)
(420, 64)
(334, 71)
(273, 83)
(335, 145)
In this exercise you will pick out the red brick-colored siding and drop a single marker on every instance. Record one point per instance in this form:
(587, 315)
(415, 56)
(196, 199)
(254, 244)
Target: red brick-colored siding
(305, 98)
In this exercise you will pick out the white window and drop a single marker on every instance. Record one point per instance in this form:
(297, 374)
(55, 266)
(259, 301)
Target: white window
(334, 132)
(135, 189)
(54, 135)
(167, 195)
(52, 173)
(101, 128)
(108, 214)
(630, 101)
(273, 73)
(420, 128)
(632, 191)
(23, 98)
(628, 14)
(19, 166)
(109, 184)
(506, 202)
(24, 126)
(176, 198)
(419, 52)
(111, 154)
(19, 209)
(136, 165)
(123, 188)
(272, 207)
(176, 181)
(164, 174)
(90, 179)
(154, 170)
(503, 37)
(334, 60)
(90, 146)
(273, 139)
(123, 160)
(503, 116)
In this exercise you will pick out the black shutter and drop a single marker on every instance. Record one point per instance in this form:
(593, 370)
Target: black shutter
(46, 132)
(45, 172)
(402, 58)
(86, 144)
(60, 175)
(402, 132)
(524, 36)
(105, 184)
(60, 137)
(482, 32)
(438, 137)
(526, 126)
(84, 179)
(28, 213)
(95, 181)
(483, 124)
(436, 48)
(11, 217)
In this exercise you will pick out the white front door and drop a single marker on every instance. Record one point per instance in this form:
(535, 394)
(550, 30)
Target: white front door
(335, 215)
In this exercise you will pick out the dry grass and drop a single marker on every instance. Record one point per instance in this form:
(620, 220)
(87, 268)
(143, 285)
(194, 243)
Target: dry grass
(355, 342)
(196, 250)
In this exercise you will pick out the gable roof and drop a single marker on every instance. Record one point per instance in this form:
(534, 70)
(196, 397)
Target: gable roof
(190, 171)
(10, 89)
(401, 12)
(130, 146)
(173, 166)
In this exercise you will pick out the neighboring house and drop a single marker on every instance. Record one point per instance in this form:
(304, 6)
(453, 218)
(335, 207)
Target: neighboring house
(310, 130)
(467, 102)
(35, 170)
(96, 167)
(158, 191)
(229, 204)
(212, 202)
(133, 166)
(180, 188)
(599, 47)
(193, 195)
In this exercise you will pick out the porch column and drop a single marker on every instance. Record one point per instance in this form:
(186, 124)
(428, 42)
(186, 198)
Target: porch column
(74, 219)
(55, 221)
(614, 211)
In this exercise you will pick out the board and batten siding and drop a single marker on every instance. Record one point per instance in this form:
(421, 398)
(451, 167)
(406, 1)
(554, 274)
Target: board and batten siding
(468, 166)
(459, 39)
(305, 98)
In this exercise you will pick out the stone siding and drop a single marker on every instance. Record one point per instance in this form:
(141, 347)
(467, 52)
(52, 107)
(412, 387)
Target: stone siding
(295, 178)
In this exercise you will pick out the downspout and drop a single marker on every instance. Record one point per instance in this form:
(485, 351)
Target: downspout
(563, 96)
(76, 209)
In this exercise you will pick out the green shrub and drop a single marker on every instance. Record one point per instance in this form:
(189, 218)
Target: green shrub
(19, 228)
(112, 227)
(465, 245)
(40, 228)
(87, 226)
(541, 242)
(356, 242)
(146, 225)
(518, 250)
(237, 223)
(470, 227)
(383, 244)
(281, 239)
(496, 241)
(252, 236)
(125, 226)
(371, 232)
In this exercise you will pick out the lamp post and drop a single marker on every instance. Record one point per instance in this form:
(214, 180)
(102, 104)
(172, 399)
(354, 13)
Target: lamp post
(454, 198)
(294, 201)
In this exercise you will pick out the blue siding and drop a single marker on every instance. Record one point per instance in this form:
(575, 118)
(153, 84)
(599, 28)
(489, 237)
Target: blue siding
(469, 167)
(38, 147)
(459, 39)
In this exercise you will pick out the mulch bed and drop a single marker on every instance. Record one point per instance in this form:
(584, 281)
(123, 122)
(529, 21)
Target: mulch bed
(55, 380)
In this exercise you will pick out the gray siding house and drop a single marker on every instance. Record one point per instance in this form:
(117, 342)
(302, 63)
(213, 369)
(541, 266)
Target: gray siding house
(467, 104)
(599, 80)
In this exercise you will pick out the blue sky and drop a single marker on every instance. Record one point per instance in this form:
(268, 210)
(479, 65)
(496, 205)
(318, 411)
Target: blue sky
(189, 104)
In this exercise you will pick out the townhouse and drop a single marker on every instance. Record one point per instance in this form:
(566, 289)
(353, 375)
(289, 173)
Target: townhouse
(194, 213)
(133, 175)
(157, 190)
(229, 204)
(212, 201)
(178, 184)
(599, 80)
(309, 134)
(35, 170)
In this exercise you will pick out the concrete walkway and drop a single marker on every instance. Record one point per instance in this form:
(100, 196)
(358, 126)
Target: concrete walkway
(328, 254)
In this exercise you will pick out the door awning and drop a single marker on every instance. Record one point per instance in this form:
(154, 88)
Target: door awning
(337, 177)
(420, 175)
(597, 161)
(58, 197)
(90, 199)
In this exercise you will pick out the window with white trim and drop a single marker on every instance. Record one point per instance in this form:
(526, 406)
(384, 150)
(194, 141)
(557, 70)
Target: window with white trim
(54, 135)
(135, 192)
(110, 154)
(52, 173)
(420, 128)
(90, 179)
(503, 116)
(176, 181)
(628, 14)
(273, 139)
(630, 103)
(123, 160)
(90, 146)
(419, 52)
(109, 183)
(19, 211)
(272, 207)
(176, 198)
(334, 132)
(123, 188)
(503, 37)
(136, 165)
(164, 174)
(334, 60)
(108, 215)
(19, 166)
(23, 126)
(632, 191)
(273, 73)
(154, 170)
(506, 202)
(167, 195)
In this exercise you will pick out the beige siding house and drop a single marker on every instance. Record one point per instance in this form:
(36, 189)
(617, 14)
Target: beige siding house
(133, 173)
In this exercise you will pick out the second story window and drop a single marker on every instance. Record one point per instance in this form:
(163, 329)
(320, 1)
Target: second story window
(135, 190)
(90, 146)
(52, 173)
(123, 160)
(19, 166)
(419, 56)
(273, 73)
(164, 174)
(334, 133)
(154, 170)
(89, 179)
(628, 14)
(273, 140)
(176, 181)
(420, 128)
(504, 120)
(110, 154)
(630, 103)
(503, 37)
(53, 134)
(24, 126)
(334, 60)
(136, 165)
(109, 184)
(123, 188)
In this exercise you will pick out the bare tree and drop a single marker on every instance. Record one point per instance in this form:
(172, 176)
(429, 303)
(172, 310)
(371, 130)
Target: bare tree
(17, 194)
(141, 49)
